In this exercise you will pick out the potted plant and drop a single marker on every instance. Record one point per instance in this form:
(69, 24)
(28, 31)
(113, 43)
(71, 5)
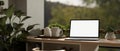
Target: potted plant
(110, 35)
(12, 31)
(65, 28)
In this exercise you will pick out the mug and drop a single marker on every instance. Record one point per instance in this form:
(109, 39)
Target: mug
(56, 32)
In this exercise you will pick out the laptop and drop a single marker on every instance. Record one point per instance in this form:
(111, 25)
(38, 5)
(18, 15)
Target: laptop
(84, 30)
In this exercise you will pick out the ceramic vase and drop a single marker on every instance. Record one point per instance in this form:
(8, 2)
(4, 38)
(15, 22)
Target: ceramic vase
(110, 36)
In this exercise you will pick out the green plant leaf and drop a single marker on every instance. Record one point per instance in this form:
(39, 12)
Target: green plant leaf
(23, 30)
(11, 39)
(3, 20)
(9, 28)
(56, 25)
(20, 25)
(109, 29)
(25, 18)
(14, 25)
(18, 13)
(17, 26)
(9, 12)
(12, 30)
(31, 26)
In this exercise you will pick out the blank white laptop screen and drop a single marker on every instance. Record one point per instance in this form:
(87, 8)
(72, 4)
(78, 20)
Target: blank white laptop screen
(84, 28)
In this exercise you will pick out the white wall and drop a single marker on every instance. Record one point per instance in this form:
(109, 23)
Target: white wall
(5, 3)
(35, 9)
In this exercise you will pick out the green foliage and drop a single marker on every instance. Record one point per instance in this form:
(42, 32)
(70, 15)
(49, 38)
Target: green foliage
(31, 26)
(9, 12)
(56, 25)
(12, 31)
(65, 28)
(109, 29)
(106, 10)
(25, 18)
(62, 14)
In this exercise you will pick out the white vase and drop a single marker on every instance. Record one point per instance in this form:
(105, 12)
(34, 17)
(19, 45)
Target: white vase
(110, 36)
(47, 32)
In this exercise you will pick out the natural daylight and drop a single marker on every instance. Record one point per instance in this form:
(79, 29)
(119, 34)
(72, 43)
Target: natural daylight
(107, 11)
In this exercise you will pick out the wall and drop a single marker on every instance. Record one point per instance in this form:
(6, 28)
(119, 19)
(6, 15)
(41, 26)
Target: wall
(5, 3)
(35, 8)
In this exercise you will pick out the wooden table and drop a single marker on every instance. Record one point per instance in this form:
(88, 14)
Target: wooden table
(109, 43)
(83, 45)
(91, 45)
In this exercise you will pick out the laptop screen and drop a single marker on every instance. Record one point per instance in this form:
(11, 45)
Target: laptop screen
(84, 28)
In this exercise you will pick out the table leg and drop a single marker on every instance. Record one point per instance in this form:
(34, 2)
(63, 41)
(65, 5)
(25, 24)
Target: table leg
(42, 46)
(27, 46)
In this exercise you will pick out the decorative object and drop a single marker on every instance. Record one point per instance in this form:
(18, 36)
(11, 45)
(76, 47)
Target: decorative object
(56, 32)
(65, 28)
(47, 32)
(110, 35)
(53, 32)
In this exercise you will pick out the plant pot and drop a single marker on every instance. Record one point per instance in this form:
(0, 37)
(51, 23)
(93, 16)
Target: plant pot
(110, 36)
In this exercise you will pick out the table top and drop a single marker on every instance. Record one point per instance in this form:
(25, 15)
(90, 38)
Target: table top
(111, 43)
(101, 42)
(57, 40)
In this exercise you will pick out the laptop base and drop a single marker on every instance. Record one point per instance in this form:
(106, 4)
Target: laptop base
(83, 39)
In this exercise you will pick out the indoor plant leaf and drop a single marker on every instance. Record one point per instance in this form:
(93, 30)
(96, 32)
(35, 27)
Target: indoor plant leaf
(9, 28)
(24, 31)
(17, 26)
(9, 12)
(18, 13)
(31, 26)
(3, 20)
(109, 29)
(25, 18)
